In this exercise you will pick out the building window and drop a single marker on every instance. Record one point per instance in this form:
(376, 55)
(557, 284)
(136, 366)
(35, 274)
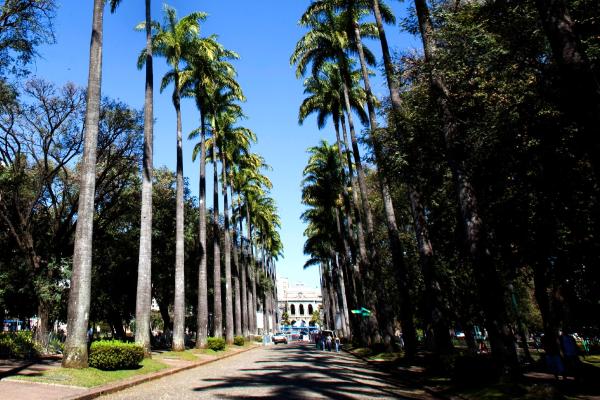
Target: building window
(310, 309)
(301, 309)
(293, 309)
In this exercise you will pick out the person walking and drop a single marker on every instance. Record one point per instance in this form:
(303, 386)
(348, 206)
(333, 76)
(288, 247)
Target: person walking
(337, 344)
(569, 350)
(328, 343)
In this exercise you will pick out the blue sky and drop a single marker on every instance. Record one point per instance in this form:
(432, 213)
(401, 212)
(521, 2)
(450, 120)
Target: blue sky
(264, 33)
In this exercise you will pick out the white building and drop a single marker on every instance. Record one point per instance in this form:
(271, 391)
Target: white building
(298, 300)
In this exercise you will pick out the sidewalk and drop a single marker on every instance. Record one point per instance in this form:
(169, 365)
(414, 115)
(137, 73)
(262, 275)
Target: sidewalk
(19, 389)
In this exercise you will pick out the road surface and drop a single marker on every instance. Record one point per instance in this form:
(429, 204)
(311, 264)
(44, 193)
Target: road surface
(294, 371)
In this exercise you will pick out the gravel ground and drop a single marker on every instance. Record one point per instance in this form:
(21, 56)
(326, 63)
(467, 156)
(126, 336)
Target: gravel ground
(294, 371)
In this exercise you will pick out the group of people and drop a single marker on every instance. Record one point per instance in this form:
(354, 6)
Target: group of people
(326, 341)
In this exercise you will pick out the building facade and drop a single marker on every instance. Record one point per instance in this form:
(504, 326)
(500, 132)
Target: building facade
(298, 300)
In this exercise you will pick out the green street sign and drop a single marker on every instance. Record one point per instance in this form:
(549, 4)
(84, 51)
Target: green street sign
(363, 312)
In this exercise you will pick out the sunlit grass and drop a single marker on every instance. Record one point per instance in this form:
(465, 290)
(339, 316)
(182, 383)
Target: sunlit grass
(187, 355)
(90, 377)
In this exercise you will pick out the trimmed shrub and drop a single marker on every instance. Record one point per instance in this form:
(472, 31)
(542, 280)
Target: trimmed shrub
(239, 340)
(215, 343)
(257, 338)
(111, 355)
(18, 345)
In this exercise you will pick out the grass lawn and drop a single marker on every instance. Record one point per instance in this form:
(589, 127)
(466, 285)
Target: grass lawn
(187, 355)
(91, 377)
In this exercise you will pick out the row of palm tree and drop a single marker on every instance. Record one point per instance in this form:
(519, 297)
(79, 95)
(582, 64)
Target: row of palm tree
(341, 236)
(335, 36)
(201, 69)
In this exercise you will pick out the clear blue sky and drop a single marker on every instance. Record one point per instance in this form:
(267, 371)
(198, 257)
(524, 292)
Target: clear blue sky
(264, 34)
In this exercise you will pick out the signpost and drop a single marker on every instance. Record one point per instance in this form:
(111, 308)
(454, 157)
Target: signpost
(362, 312)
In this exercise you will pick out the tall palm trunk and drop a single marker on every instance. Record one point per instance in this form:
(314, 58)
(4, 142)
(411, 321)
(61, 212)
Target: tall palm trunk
(227, 256)
(400, 270)
(435, 313)
(179, 303)
(202, 317)
(218, 301)
(144, 286)
(252, 268)
(76, 354)
(474, 230)
(244, 288)
(360, 276)
(238, 271)
(355, 151)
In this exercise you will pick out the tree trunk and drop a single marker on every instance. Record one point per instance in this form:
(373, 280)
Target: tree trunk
(76, 352)
(373, 322)
(490, 288)
(435, 317)
(202, 317)
(41, 332)
(218, 301)
(400, 270)
(358, 273)
(227, 250)
(580, 84)
(244, 288)
(252, 303)
(435, 312)
(144, 287)
(238, 272)
(364, 194)
(179, 303)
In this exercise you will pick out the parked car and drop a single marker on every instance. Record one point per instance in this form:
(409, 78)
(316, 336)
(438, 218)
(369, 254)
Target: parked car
(279, 337)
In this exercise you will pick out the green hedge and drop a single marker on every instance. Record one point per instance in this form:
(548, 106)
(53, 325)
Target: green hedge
(18, 345)
(215, 343)
(112, 355)
(239, 340)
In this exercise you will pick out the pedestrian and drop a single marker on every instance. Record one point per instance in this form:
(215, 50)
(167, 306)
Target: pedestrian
(553, 360)
(569, 349)
(328, 343)
(337, 344)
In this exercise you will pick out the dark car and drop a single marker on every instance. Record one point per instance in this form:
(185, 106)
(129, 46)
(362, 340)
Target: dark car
(279, 337)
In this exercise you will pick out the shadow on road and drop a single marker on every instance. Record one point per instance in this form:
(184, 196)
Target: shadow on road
(299, 371)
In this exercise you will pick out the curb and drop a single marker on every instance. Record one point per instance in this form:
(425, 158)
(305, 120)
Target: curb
(126, 384)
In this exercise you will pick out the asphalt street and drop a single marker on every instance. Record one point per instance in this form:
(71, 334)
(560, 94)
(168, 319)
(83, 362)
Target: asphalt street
(294, 371)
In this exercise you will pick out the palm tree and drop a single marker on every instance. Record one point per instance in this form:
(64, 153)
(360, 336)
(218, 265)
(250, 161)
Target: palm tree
(325, 99)
(222, 104)
(233, 140)
(322, 188)
(76, 354)
(435, 308)
(173, 41)
(208, 71)
(328, 40)
(144, 286)
(250, 184)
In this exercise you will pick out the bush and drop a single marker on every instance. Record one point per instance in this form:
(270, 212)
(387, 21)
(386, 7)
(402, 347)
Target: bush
(215, 343)
(18, 345)
(257, 338)
(113, 355)
(239, 340)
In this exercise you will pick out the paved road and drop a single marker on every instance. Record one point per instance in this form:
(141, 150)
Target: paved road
(294, 371)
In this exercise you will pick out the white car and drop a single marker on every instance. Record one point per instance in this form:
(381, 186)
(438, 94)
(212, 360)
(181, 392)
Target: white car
(279, 337)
